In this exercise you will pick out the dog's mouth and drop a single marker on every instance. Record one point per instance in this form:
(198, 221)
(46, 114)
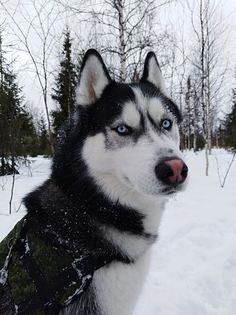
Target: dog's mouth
(170, 190)
(165, 190)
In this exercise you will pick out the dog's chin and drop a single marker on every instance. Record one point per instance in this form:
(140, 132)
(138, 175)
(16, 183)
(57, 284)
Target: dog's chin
(163, 192)
(170, 190)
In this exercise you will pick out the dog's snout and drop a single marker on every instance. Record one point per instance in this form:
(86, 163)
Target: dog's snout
(172, 171)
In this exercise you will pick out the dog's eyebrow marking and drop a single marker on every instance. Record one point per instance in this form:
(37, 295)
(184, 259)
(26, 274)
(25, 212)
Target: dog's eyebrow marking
(131, 115)
(155, 110)
(172, 108)
(141, 101)
(153, 123)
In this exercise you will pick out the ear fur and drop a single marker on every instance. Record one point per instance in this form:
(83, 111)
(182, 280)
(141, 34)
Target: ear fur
(94, 77)
(152, 72)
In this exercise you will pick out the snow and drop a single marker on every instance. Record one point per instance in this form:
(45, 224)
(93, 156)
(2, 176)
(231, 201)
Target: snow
(194, 261)
(28, 179)
(3, 276)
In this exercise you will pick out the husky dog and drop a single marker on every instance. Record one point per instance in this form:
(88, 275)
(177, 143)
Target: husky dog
(115, 165)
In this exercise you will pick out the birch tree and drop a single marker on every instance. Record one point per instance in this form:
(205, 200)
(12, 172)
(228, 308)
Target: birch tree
(123, 31)
(35, 36)
(207, 63)
(191, 114)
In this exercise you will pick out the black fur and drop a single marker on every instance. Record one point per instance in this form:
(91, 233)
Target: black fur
(146, 65)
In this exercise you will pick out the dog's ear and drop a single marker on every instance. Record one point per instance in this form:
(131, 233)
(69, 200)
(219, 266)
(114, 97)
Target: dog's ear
(152, 72)
(94, 78)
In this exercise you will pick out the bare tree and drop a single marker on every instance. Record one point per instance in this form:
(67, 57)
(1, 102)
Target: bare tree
(206, 61)
(191, 113)
(38, 19)
(223, 181)
(126, 30)
(12, 192)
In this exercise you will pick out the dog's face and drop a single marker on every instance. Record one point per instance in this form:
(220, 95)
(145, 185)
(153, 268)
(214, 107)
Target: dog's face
(133, 138)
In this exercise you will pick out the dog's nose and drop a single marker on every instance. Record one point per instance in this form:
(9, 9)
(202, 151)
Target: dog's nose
(171, 172)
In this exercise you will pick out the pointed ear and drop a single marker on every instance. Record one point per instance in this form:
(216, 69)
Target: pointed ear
(152, 72)
(94, 78)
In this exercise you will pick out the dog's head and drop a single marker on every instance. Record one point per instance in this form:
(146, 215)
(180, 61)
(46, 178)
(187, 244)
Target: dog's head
(129, 132)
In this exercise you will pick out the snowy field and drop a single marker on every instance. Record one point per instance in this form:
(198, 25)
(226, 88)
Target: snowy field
(193, 269)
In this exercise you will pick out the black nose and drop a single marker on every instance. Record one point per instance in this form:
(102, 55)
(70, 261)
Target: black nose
(171, 171)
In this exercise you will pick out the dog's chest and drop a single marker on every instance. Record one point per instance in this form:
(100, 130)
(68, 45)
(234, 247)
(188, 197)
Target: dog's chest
(117, 287)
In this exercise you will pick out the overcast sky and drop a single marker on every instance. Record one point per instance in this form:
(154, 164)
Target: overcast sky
(176, 17)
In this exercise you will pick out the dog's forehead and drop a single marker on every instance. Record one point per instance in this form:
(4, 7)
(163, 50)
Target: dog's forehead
(155, 104)
(134, 111)
(131, 103)
(145, 106)
(151, 105)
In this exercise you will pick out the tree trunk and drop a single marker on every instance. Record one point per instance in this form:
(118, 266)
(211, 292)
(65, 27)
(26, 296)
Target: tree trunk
(2, 165)
(120, 8)
(49, 123)
(12, 192)
(207, 158)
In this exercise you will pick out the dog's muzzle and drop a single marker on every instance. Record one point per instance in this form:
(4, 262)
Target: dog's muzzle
(171, 171)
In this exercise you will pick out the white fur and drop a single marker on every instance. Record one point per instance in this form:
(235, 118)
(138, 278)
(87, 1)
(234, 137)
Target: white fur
(133, 246)
(130, 115)
(118, 286)
(93, 80)
(156, 110)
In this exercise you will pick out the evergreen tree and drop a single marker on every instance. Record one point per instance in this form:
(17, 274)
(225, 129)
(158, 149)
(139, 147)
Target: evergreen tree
(16, 125)
(230, 125)
(64, 92)
(44, 145)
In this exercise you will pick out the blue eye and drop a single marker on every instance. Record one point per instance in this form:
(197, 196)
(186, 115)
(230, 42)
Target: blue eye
(166, 124)
(123, 130)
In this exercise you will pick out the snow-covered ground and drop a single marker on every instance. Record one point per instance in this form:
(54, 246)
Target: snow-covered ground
(193, 270)
(28, 179)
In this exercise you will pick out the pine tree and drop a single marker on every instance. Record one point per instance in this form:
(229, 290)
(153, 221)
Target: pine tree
(16, 125)
(230, 125)
(44, 145)
(64, 92)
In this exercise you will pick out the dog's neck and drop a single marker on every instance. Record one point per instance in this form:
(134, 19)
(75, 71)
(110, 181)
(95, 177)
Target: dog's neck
(146, 210)
(150, 207)
(120, 216)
